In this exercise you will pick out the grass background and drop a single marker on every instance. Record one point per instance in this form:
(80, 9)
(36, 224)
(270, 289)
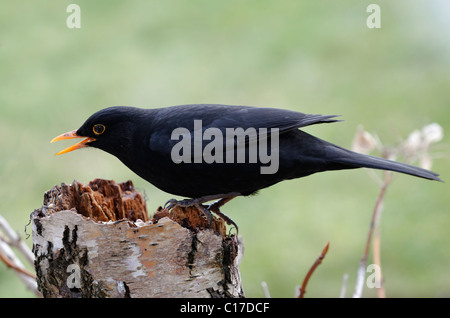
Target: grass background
(309, 56)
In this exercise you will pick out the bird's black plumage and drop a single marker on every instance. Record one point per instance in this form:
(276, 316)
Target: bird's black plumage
(142, 140)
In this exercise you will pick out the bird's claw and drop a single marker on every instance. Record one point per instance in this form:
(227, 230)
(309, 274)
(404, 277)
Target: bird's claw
(213, 207)
(206, 210)
(170, 204)
(182, 203)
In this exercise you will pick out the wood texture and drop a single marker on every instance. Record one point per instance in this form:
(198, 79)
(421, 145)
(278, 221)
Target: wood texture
(96, 240)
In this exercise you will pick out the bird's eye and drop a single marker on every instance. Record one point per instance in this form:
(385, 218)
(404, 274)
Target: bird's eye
(99, 129)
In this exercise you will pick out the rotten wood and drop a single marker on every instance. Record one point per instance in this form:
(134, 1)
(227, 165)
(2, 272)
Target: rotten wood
(96, 240)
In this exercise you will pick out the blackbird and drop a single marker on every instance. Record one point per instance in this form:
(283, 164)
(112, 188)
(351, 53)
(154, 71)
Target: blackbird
(208, 152)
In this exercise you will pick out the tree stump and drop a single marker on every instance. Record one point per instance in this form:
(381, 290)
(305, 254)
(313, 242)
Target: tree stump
(97, 240)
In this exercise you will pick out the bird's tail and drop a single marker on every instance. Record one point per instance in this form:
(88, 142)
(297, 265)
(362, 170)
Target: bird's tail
(352, 159)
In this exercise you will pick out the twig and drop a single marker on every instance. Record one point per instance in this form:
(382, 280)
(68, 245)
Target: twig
(376, 253)
(312, 269)
(8, 256)
(16, 241)
(344, 286)
(13, 265)
(415, 147)
(376, 211)
(265, 289)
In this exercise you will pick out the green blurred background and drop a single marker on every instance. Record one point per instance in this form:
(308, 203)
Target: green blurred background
(309, 56)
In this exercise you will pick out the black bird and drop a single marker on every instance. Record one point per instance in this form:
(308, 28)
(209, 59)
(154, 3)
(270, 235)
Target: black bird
(207, 152)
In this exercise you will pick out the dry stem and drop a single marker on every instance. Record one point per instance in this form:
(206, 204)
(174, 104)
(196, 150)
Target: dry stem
(374, 225)
(312, 269)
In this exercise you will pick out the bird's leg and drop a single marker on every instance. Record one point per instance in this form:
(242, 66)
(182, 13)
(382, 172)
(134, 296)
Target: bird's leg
(197, 203)
(214, 207)
(200, 200)
(206, 212)
(182, 203)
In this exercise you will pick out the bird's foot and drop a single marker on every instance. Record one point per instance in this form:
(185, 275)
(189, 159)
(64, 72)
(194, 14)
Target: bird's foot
(190, 203)
(182, 203)
(213, 207)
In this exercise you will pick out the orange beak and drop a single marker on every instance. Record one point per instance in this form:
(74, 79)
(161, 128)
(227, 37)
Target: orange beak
(70, 135)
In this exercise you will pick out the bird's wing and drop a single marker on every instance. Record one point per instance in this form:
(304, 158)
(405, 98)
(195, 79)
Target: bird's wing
(224, 116)
(264, 121)
(284, 120)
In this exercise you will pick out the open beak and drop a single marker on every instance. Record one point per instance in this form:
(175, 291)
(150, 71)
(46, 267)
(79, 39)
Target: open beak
(70, 135)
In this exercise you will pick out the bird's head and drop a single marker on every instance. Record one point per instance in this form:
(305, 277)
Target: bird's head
(110, 129)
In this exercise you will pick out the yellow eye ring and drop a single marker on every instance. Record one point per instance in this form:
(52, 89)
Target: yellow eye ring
(99, 129)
